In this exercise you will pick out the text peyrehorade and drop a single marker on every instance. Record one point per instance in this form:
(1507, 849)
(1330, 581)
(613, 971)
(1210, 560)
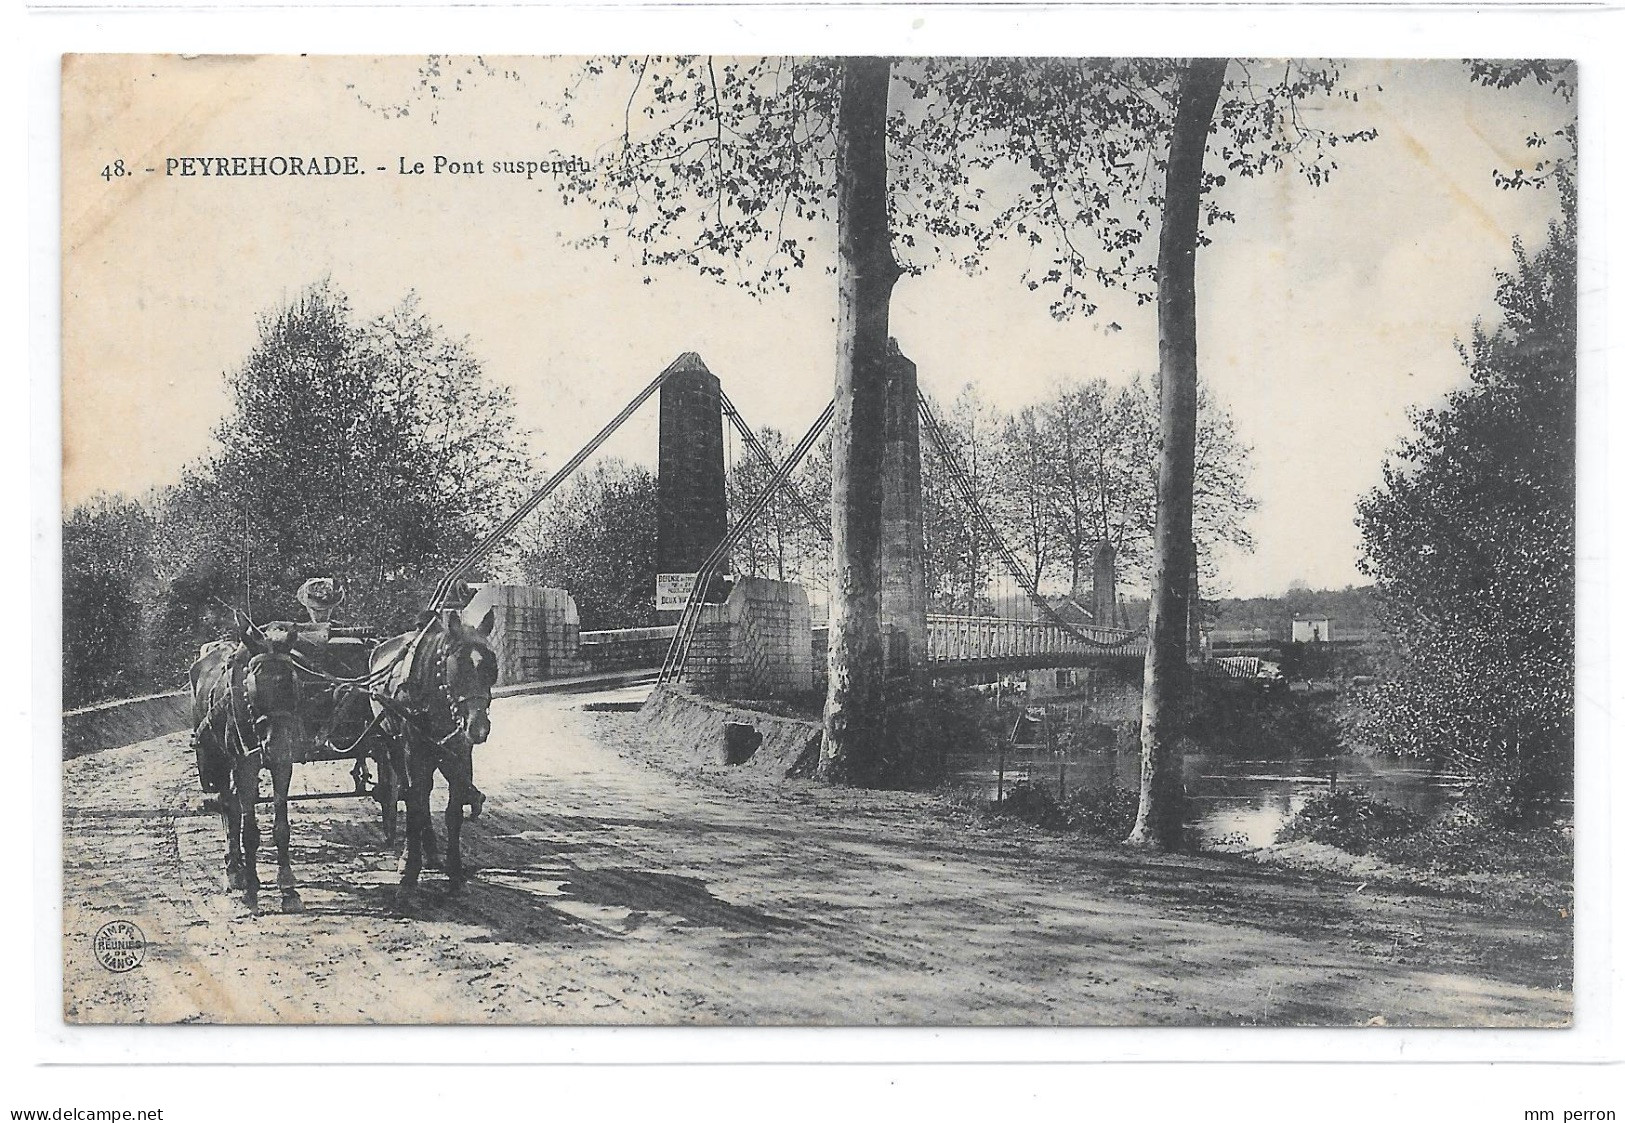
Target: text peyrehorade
(226, 166)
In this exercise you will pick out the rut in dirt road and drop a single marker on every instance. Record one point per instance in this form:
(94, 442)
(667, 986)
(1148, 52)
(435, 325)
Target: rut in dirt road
(610, 892)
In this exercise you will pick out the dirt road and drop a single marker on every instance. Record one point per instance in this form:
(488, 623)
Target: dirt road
(613, 892)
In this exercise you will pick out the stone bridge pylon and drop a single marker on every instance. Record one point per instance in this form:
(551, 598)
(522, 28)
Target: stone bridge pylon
(693, 505)
(692, 486)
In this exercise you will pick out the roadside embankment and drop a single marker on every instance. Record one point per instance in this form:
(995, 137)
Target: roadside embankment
(125, 722)
(696, 735)
(129, 721)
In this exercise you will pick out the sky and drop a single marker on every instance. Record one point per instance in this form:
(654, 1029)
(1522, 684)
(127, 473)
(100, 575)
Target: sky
(1324, 313)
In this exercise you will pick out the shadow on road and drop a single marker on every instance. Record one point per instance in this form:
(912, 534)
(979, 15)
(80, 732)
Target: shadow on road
(524, 890)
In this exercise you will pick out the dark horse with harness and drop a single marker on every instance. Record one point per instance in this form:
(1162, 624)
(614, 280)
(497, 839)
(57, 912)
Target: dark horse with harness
(259, 704)
(434, 705)
(247, 717)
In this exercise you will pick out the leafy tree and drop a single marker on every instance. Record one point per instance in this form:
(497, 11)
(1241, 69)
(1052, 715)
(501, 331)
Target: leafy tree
(1074, 469)
(784, 543)
(597, 540)
(1160, 821)
(371, 452)
(105, 579)
(1025, 508)
(959, 560)
(1220, 499)
(1558, 150)
(1091, 450)
(1471, 541)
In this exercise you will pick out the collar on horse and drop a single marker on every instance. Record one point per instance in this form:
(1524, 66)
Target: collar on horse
(249, 724)
(410, 682)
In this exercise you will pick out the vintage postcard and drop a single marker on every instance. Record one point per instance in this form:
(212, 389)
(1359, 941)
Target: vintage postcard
(919, 541)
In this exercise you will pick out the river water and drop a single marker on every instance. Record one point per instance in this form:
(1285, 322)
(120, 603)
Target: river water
(1240, 800)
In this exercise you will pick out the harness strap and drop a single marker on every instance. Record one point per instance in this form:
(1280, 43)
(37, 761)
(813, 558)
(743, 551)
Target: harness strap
(356, 744)
(242, 713)
(403, 683)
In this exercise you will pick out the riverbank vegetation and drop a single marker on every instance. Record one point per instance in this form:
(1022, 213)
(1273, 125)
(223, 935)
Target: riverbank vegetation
(1470, 539)
(1454, 842)
(1104, 811)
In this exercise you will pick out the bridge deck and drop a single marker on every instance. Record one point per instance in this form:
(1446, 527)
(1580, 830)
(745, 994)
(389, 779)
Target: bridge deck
(966, 642)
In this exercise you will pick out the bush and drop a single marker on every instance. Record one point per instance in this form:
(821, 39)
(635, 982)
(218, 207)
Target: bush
(1461, 845)
(1100, 811)
(1031, 803)
(1470, 538)
(927, 730)
(1350, 820)
(1457, 842)
(1263, 723)
(1104, 811)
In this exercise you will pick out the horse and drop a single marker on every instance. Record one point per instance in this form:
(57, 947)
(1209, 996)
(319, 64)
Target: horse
(246, 716)
(434, 706)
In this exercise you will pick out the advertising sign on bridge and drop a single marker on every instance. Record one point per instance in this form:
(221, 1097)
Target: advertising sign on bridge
(672, 589)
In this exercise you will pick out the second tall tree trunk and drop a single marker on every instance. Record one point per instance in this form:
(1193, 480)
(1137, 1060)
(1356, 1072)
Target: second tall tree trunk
(854, 708)
(1160, 822)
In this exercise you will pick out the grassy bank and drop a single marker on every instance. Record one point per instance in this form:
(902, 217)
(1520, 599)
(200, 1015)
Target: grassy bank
(1339, 835)
(1344, 839)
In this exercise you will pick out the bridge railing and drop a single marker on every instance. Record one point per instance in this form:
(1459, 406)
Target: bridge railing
(970, 639)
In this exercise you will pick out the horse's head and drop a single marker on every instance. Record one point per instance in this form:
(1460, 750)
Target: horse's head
(271, 683)
(470, 673)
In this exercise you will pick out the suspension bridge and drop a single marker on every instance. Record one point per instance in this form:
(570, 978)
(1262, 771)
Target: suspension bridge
(989, 619)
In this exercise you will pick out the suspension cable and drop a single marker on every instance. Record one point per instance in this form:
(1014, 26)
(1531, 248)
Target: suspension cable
(967, 493)
(759, 450)
(688, 624)
(485, 546)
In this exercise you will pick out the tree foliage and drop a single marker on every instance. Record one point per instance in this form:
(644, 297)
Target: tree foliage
(725, 166)
(1471, 541)
(105, 581)
(374, 452)
(597, 540)
(1556, 152)
(784, 543)
(1075, 468)
(959, 558)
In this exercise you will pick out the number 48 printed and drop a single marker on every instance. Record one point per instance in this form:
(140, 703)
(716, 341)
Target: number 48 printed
(115, 170)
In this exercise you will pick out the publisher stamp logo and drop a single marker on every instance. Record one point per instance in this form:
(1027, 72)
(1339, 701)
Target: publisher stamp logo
(119, 945)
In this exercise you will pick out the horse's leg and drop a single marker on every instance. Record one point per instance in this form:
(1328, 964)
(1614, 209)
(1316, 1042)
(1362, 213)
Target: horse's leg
(281, 778)
(462, 780)
(454, 837)
(248, 794)
(431, 844)
(234, 833)
(388, 790)
(226, 803)
(420, 777)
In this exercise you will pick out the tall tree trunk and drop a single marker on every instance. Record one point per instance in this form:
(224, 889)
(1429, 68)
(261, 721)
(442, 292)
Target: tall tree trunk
(854, 709)
(1160, 821)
